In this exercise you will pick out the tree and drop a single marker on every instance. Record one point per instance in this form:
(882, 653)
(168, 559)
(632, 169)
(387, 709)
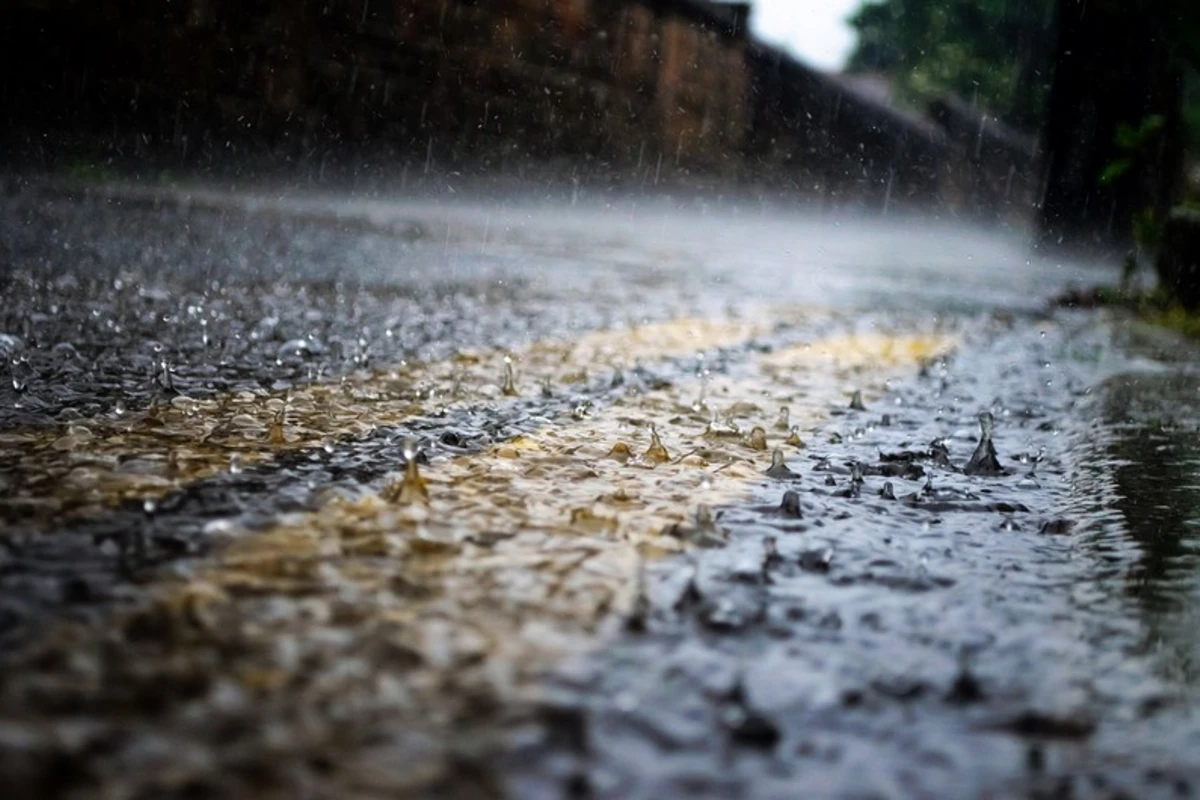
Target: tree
(995, 53)
(1113, 136)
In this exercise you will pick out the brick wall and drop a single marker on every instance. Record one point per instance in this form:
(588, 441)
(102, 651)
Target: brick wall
(643, 90)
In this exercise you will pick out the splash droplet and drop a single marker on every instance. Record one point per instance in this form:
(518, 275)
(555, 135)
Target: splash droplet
(275, 430)
(656, 453)
(620, 452)
(983, 460)
(790, 505)
(410, 488)
(509, 383)
(856, 401)
(784, 422)
(779, 468)
(757, 440)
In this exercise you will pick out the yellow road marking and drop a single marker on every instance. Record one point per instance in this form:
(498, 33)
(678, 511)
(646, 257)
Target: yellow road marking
(90, 465)
(370, 621)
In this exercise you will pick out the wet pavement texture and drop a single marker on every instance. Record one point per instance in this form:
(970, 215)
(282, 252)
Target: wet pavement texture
(617, 567)
(925, 633)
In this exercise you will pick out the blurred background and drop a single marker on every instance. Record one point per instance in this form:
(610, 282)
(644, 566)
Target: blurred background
(1073, 117)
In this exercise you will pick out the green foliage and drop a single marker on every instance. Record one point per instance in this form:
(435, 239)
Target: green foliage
(83, 170)
(1115, 169)
(1131, 138)
(1131, 144)
(996, 53)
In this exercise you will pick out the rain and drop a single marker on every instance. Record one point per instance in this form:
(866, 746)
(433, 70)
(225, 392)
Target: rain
(599, 398)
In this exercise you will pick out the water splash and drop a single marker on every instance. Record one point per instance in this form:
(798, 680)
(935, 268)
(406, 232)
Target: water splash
(656, 453)
(275, 430)
(508, 385)
(779, 468)
(790, 506)
(757, 440)
(794, 439)
(984, 460)
(620, 452)
(411, 487)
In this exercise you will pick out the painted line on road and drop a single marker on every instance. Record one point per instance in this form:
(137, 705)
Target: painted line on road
(385, 615)
(87, 466)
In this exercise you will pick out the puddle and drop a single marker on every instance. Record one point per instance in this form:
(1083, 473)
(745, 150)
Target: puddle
(1142, 468)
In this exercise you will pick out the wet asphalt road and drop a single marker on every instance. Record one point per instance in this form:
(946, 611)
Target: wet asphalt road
(896, 629)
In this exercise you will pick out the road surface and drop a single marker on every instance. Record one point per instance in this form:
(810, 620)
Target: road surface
(310, 495)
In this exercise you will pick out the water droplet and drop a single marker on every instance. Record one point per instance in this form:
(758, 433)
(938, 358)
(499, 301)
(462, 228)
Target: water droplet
(656, 453)
(620, 452)
(790, 505)
(779, 468)
(411, 487)
(757, 440)
(794, 439)
(235, 464)
(509, 382)
(984, 460)
(20, 371)
(275, 430)
(721, 430)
